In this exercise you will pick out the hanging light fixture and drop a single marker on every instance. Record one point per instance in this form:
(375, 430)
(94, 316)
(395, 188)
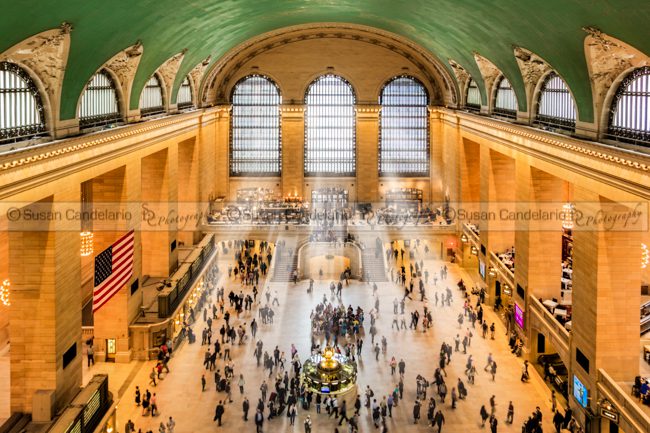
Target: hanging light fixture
(645, 256)
(87, 237)
(86, 243)
(568, 211)
(4, 293)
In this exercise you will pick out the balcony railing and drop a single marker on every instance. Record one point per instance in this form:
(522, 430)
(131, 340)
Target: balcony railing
(559, 336)
(630, 411)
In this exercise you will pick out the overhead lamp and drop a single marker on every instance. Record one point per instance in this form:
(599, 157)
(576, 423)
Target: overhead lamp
(86, 243)
(568, 214)
(4, 293)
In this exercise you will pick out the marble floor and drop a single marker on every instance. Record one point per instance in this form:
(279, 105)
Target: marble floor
(179, 393)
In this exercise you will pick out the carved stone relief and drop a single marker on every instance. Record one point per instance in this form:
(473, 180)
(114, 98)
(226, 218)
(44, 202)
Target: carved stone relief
(488, 70)
(196, 74)
(168, 70)
(608, 58)
(532, 67)
(124, 65)
(46, 54)
(462, 76)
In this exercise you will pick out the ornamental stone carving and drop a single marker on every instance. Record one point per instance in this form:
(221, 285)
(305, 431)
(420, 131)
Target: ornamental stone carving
(488, 70)
(45, 54)
(532, 66)
(124, 65)
(196, 75)
(168, 70)
(607, 59)
(462, 76)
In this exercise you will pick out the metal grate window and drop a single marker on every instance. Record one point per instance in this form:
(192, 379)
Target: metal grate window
(151, 98)
(184, 97)
(21, 109)
(404, 129)
(99, 103)
(255, 140)
(630, 113)
(473, 97)
(505, 103)
(330, 128)
(556, 107)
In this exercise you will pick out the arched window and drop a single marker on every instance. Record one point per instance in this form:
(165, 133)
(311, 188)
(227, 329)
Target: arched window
(473, 97)
(99, 103)
(21, 110)
(630, 111)
(505, 103)
(556, 107)
(151, 98)
(330, 128)
(184, 97)
(404, 129)
(255, 147)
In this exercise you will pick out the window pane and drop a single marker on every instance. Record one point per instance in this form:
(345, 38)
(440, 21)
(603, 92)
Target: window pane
(473, 95)
(21, 110)
(556, 107)
(630, 116)
(184, 98)
(404, 129)
(330, 128)
(99, 103)
(506, 100)
(151, 98)
(255, 128)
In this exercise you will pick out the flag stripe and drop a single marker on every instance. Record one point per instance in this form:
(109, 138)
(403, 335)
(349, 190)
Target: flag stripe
(113, 269)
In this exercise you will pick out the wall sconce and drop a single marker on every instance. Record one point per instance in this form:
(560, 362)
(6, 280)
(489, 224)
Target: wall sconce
(463, 238)
(474, 250)
(493, 272)
(4, 293)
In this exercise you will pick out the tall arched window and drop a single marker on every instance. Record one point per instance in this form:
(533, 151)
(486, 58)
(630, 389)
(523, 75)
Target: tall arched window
(473, 97)
(505, 103)
(630, 110)
(184, 97)
(151, 98)
(404, 128)
(330, 128)
(556, 107)
(21, 109)
(255, 146)
(99, 103)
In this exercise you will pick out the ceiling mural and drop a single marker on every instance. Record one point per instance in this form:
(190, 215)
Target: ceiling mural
(449, 29)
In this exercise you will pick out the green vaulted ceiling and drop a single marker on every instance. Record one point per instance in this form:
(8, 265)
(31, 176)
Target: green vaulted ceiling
(448, 28)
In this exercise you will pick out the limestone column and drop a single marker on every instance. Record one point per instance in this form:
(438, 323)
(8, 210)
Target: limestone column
(293, 150)
(538, 243)
(117, 193)
(207, 156)
(45, 312)
(367, 181)
(443, 159)
(188, 192)
(222, 153)
(606, 290)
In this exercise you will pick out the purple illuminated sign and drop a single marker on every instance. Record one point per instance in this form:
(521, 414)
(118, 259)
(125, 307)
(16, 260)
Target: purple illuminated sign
(519, 316)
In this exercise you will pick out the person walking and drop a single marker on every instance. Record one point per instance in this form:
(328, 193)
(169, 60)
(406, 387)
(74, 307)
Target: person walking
(202, 382)
(259, 421)
(493, 424)
(171, 424)
(439, 420)
(416, 411)
(484, 415)
(307, 424)
(245, 407)
(241, 383)
(91, 355)
(218, 412)
(511, 413)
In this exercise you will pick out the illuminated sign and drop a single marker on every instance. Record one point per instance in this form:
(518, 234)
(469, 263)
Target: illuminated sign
(519, 316)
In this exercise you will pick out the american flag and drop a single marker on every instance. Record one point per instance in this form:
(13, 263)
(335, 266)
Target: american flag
(113, 269)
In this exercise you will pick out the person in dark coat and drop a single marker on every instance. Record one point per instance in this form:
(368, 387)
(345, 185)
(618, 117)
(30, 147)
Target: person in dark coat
(439, 420)
(245, 407)
(416, 411)
(218, 413)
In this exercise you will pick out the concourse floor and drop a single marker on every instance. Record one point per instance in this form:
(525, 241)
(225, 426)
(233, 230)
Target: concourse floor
(179, 393)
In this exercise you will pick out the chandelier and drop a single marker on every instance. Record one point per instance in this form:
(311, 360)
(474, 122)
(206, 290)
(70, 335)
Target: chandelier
(86, 243)
(645, 256)
(568, 214)
(4, 293)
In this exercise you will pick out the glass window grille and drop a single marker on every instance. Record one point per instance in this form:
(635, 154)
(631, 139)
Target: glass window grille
(22, 115)
(505, 104)
(99, 104)
(404, 129)
(184, 97)
(330, 128)
(473, 97)
(630, 110)
(255, 139)
(151, 98)
(556, 107)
